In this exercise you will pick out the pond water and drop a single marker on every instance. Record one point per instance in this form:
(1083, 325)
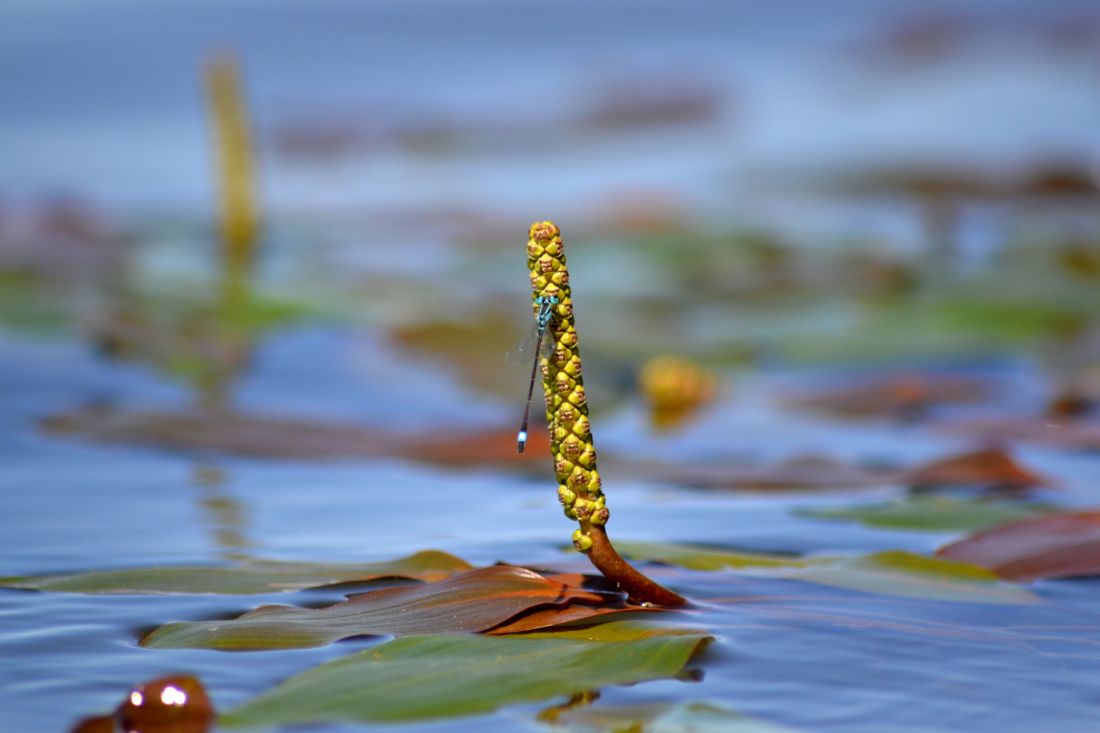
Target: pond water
(403, 148)
(807, 656)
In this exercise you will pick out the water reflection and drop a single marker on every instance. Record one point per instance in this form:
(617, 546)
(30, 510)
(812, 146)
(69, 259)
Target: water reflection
(224, 514)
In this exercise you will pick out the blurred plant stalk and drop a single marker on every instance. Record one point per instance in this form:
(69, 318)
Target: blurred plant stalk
(239, 218)
(239, 226)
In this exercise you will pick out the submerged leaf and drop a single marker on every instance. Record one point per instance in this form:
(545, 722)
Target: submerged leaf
(1054, 546)
(430, 677)
(256, 576)
(474, 601)
(692, 717)
(695, 557)
(884, 573)
(929, 513)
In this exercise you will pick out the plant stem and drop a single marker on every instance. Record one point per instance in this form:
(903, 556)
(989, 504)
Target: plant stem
(571, 445)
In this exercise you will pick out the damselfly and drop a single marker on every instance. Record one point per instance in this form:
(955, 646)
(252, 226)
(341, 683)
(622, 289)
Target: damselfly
(542, 322)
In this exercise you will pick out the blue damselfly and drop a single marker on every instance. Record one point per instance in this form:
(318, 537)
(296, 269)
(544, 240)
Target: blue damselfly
(542, 323)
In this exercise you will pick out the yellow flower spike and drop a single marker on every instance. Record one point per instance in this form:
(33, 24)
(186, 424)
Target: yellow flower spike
(239, 219)
(570, 447)
(571, 443)
(587, 459)
(565, 496)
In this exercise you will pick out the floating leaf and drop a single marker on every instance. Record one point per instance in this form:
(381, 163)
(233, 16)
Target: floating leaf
(990, 467)
(915, 576)
(802, 472)
(256, 576)
(987, 467)
(232, 433)
(694, 717)
(930, 513)
(426, 677)
(474, 601)
(1054, 546)
(545, 618)
(884, 573)
(904, 396)
(695, 557)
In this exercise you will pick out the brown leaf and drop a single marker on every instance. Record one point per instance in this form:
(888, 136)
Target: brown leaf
(279, 437)
(903, 397)
(545, 618)
(468, 603)
(1050, 546)
(164, 705)
(802, 472)
(614, 602)
(991, 467)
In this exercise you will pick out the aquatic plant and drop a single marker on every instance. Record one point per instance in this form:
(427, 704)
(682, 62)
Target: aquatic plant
(233, 150)
(571, 444)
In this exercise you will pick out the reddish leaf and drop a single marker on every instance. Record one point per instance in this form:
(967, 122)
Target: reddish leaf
(252, 576)
(991, 467)
(164, 705)
(278, 437)
(803, 472)
(468, 603)
(1051, 546)
(988, 467)
(545, 618)
(904, 397)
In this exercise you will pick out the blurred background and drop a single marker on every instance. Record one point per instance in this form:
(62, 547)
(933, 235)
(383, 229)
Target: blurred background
(295, 229)
(735, 181)
(319, 209)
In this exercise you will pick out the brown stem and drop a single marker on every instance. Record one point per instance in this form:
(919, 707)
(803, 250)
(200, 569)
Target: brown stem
(637, 586)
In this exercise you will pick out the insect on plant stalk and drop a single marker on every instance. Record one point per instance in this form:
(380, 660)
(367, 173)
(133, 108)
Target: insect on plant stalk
(571, 445)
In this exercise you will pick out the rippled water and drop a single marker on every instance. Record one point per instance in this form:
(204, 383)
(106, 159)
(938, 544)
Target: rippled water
(814, 658)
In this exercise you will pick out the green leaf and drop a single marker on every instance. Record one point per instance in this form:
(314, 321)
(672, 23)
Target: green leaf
(884, 573)
(257, 576)
(931, 513)
(430, 677)
(694, 717)
(471, 602)
(695, 557)
(909, 575)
